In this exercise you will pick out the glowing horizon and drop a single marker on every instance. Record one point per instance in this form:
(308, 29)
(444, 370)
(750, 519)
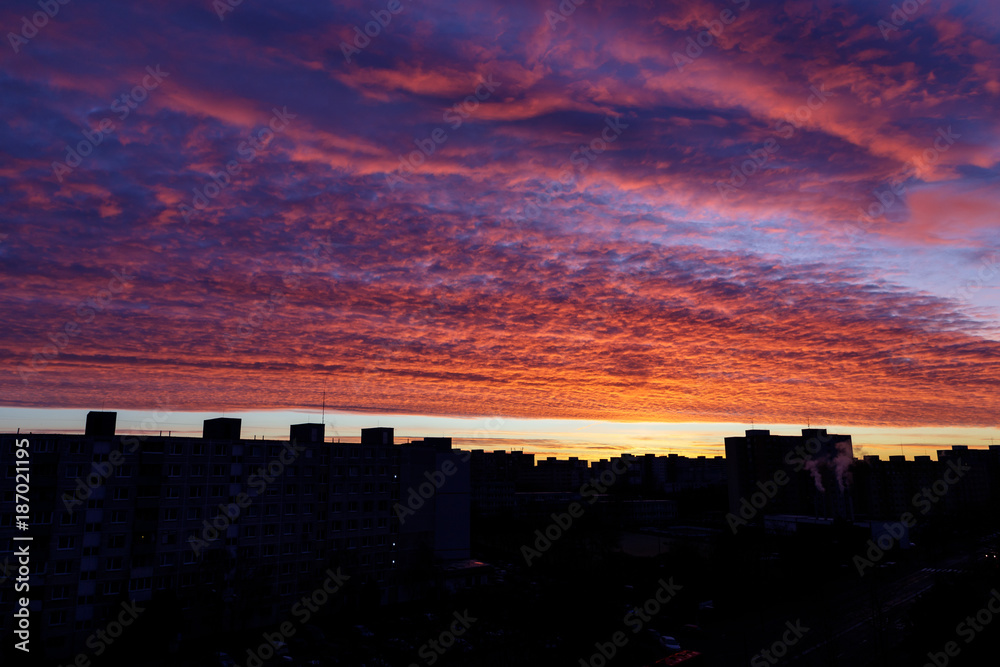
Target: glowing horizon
(487, 210)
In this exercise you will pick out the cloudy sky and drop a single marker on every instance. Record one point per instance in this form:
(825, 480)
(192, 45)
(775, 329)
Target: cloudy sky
(629, 215)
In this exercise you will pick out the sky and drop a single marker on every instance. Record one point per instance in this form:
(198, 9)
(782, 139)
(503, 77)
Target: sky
(632, 225)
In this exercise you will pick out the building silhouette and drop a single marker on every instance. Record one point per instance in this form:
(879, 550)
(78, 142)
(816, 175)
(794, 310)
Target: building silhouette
(232, 531)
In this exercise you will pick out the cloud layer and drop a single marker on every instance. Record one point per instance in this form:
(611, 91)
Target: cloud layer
(671, 211)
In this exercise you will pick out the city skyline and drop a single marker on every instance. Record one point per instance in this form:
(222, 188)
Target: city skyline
(544, 214)
(610, 333)
(590, 440)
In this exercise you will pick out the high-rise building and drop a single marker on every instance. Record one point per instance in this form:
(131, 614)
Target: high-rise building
(233, 530)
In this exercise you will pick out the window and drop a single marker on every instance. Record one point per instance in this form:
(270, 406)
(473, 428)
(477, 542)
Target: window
(64, 566)
(194, 513)
(60, 592)
(112, 587)
(140, 584)
(119, 516)
(113, 563)
(66, 542)
(174, 470)
(116, 542)
(170, 514)
(72, 471)
(173, 492)
(57, 618)
(195, 492)
(121, 493)
(218, 471)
